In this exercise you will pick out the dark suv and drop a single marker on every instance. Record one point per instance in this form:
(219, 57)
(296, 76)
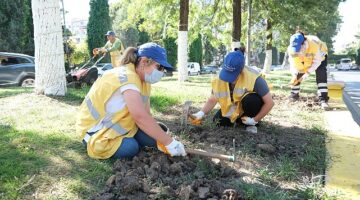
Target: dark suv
(17, 69)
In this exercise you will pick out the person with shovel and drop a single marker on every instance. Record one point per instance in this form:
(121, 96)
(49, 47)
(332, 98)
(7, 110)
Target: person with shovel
(307, 53)
(243, 95)
(114, 119)
(112, 46)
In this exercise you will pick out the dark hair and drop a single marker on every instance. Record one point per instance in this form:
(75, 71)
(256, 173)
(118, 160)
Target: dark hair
(129, 56)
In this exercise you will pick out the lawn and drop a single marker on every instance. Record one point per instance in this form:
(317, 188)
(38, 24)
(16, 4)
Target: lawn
(42, 158)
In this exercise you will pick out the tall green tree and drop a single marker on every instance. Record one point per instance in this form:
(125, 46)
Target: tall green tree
(99, 24)
(196, 50)
(171, 50)
(16, 26)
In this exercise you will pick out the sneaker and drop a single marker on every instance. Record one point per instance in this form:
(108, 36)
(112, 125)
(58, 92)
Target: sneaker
(325, 106)
(294, 97)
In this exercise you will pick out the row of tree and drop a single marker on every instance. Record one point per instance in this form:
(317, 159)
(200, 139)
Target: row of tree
(212, 23)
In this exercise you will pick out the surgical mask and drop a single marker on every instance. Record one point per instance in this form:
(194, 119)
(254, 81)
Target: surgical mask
(154, 77)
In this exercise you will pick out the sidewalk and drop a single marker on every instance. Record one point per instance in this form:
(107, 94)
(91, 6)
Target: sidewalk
(343, 173)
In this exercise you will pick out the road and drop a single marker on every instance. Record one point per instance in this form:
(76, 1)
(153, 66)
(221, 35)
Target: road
(351, 92)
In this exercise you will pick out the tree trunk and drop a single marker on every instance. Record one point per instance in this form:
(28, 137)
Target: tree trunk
(49, 52)
(248, 45)
(236, 33)
(268, 52)
(183, 40)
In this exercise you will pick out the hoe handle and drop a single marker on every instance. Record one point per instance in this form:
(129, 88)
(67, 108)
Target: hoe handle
(209, 154)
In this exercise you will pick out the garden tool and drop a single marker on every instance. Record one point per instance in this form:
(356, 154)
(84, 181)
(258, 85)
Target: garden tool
(202, 152)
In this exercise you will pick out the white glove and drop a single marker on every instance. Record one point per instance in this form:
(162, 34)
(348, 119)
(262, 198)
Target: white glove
(248, 121)
(198, 115)
(176, 148)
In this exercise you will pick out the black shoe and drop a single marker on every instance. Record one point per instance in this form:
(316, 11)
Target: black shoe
(294, 97)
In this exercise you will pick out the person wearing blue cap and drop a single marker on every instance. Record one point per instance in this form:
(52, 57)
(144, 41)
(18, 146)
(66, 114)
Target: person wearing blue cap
(243, 95)
(115, 119)
(306, 55)
(113, 46)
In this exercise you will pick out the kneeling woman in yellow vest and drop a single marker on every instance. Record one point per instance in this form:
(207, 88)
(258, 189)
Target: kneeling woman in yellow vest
(114, 119)
(243, 95)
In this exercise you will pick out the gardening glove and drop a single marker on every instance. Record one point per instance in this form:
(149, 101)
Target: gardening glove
(175, 148)
(248, 121)
(95, 51)
(196, 119)
(103, 50)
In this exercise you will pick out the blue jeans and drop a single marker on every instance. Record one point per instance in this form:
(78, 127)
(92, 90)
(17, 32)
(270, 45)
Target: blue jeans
(130, 147)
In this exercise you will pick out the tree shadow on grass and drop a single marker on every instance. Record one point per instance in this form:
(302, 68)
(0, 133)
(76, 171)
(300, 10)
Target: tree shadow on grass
(13, 91)
(47, 159)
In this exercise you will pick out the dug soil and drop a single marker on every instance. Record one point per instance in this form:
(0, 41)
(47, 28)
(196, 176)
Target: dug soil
(153, 175)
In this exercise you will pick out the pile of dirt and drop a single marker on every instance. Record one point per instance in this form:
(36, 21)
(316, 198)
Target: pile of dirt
(153, 175)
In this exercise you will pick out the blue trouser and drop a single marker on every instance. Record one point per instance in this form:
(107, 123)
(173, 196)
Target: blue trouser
(130, 147)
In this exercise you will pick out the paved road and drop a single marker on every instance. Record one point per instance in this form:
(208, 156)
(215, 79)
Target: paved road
(351, 92)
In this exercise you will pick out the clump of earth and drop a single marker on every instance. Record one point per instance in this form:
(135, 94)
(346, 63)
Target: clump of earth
(154, 175)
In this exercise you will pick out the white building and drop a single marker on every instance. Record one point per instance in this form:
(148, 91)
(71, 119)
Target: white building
(78, 29)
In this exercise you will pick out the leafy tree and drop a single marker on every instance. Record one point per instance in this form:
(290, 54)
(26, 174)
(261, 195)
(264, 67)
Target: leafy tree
(196, 54)
(99, 24)
(358, 57)
(16, 26)
(171, 50)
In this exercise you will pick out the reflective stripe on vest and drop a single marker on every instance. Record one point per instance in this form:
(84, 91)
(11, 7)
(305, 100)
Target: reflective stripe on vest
(221, 94)
(106, 123)
(231, 111)
(94, 113)
(239, 91)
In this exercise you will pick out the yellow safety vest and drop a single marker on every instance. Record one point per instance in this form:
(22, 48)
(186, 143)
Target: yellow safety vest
(302, 62)
(244, 85)
(104, 143)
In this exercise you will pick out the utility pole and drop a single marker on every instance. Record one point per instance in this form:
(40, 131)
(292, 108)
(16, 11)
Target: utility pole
(248, 54)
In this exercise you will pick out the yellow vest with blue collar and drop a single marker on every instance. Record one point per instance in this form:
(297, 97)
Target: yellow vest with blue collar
(115, 126)
(244, 85)
(302, 62)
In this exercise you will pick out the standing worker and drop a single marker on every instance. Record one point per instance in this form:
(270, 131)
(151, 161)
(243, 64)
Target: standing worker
(243, 95)
(115, 119)
(114, 46)
(306, 55)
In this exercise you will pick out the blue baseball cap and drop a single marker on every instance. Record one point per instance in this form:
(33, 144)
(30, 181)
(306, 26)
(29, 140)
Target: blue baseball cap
(110, 33)
(295, 42)
(155, 52)
(232, 66)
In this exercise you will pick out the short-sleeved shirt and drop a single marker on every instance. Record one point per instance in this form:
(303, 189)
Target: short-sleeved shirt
(261, 87)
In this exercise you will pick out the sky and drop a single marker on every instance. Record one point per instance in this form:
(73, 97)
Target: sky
(349, 10)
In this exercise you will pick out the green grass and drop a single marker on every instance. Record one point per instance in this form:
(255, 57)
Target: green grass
(40, 153)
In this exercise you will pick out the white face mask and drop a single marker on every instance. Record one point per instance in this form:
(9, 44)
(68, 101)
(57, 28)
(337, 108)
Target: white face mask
(154, 77)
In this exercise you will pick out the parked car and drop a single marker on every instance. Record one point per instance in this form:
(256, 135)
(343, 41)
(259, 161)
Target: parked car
(193, 68)
(276, 67)
(17, 69)
(345, 64)
(209, 69)
(102, 67)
